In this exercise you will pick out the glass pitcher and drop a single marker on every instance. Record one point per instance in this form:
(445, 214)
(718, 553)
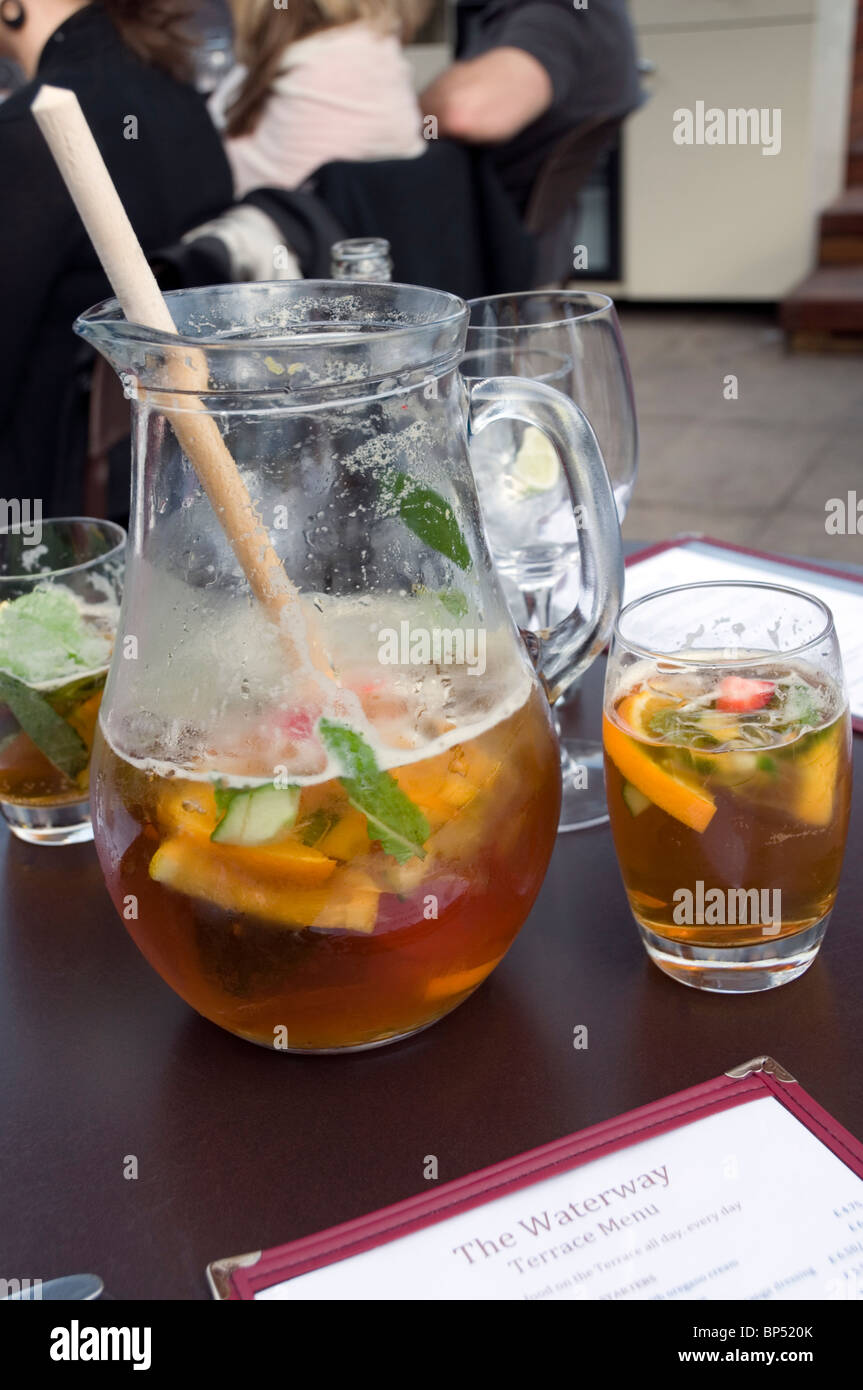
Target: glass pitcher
(325, 826)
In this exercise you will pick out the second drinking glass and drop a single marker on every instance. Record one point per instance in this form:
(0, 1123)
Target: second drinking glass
(569, 340)
(728, 762)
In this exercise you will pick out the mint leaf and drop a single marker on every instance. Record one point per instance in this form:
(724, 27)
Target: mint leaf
(54, 738)
(318, 824)
(224, 796)
(431, 518)
(799, 706)
(391, 816)
(454, 601)
(674, 725)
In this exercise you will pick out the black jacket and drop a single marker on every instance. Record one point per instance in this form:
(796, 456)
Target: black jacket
(445, 214)
(589, 55)
(447, 219)
(171, 177)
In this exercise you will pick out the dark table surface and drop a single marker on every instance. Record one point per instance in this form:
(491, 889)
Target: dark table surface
(238, 1148)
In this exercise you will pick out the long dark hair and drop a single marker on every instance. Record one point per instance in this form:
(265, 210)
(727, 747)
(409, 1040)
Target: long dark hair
(156, 31)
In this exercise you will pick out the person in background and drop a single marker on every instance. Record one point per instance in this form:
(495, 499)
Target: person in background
(10, 77)
(128, 63)
(320, 80)
(529, 73)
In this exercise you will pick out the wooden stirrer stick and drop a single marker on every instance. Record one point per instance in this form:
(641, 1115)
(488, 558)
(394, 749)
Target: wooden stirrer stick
(80, 162)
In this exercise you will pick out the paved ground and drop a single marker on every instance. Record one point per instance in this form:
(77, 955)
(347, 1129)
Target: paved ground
(758, 470)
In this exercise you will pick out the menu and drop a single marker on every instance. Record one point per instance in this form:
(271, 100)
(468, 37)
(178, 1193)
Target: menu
(699, 559)
(741, 1191)
(694, 560)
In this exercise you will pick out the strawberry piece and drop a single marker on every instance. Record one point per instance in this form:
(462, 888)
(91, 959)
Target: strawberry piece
(739, 695)
(296, 724)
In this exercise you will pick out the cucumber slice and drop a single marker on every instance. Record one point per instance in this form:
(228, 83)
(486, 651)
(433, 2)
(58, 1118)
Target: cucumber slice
(636, 801)
(256, 817)
(734, 769)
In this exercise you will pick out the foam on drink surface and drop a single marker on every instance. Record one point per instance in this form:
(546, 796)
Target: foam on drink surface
(405, 713)
(693, 680)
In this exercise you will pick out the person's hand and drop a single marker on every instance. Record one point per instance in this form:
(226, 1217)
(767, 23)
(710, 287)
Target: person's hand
(490, 98)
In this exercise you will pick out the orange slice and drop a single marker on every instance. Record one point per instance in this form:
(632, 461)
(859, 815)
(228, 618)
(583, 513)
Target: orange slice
(83, 720)
(189, 808)
(352, 902)
(459, 981)
(286, 859)
(190, 814)
(688, 804)
(347, 838)
(205, 871)
(645, 900)
(637, 708)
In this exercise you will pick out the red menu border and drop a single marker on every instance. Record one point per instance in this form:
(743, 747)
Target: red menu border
(242, 1277)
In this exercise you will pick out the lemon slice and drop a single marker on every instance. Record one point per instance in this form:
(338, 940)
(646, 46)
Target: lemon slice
(816, 774)
(537, 467)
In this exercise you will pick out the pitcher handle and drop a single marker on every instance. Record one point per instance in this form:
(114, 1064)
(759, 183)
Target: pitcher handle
(565, 651)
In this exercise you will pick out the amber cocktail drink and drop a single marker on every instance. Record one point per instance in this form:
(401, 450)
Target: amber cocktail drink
(728, 772)
(321, 929)
(59, 602)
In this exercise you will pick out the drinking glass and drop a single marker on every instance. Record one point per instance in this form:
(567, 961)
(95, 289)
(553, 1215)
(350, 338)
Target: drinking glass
(728, 763)
(571, 341)
(60, 583)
